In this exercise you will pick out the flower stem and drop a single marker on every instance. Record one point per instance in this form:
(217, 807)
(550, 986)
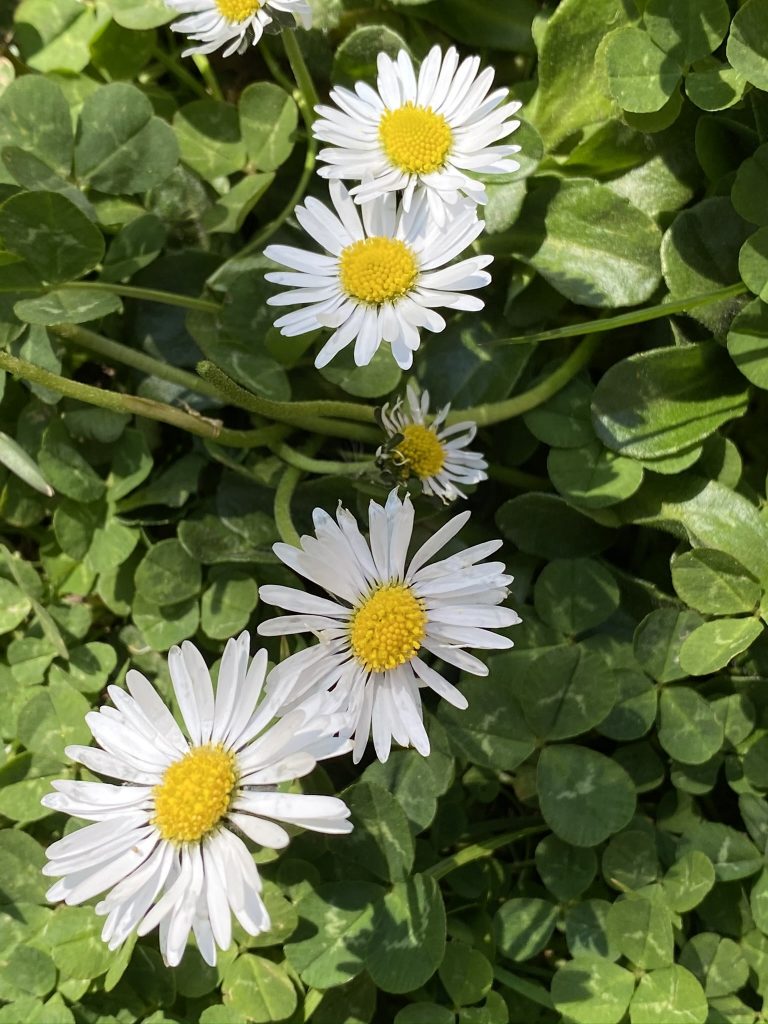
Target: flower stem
(306, 414)
(300, 72)
(274, 67)
(527, 989)
(320, 466)
(115, 352)
(208, 75)
(135, 406)
(518, 478)
(130, 291)
(178, 70)
(497, 412)
(284, 494)
(308, 99)
(260, 239)
(480, 850)
(277, 432)
(312, 1000)
(282, 508)
(638, 316)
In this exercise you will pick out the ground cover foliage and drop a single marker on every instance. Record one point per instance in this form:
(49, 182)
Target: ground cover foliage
(587, 842)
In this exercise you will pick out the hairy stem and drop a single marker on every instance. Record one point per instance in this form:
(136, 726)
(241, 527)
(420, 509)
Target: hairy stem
(135, 406)
(518, 478)
(115, 352)
(208, 75)
(639, 316)
(320, 466)
(528, 989)
(497, 412)
(176, 67)
(308, 100)
(300, 72)
(300, 413)
(480, 850)
(282, 508)
(130, 291)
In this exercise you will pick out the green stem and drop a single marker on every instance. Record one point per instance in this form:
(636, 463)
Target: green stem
(274, 68)
(312, 1000)
(480, 850)
(178, 70)
(528, 989)
(115, 352)
(320, 466)
(497, 412)
(300, 71)
(517, 478)
(130, 291)
(135, 406)
(260, 239)
(283, 495)
(639, 316)
(208, 75)
(276, 433)
(284, 412)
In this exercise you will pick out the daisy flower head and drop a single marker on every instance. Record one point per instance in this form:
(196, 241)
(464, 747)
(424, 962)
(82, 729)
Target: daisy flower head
(385, 272)
(428, 132)
(233, 23)
(433, 453)
(165, 839)
(384, 615)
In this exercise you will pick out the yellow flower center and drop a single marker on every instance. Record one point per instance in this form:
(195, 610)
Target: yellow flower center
(388, 628)
(377, 270)
(238, 10)
(421, 452)
(195, 794)
(415, 139)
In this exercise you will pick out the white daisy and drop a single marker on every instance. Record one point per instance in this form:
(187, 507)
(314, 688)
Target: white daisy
(428, 133)
(216, 23)
(437, 457)
(164, 837)
(384, 614)
(379, 279)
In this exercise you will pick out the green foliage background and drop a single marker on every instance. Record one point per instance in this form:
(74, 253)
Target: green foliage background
(588, 841)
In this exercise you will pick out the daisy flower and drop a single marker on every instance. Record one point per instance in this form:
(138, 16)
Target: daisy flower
(164, 839)
(437, 457)
(232, 23)
(427, 133)
(383, 615)
(382, 277)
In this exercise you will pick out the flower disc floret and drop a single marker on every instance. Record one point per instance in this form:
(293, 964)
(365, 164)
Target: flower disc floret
(378, 269)
(388, 628)
(435, 128)
(231, 25)
(166, 840)
(384, 617)
(421, 445)
(238, 10)
(195, 794)
(383, 276)
(421, 452)
(416, 139)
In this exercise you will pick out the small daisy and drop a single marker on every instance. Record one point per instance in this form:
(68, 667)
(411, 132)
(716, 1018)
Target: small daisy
(215, 23)
(437, 457)
(380, 279)
(428, 133)
(164, 839)
(384, 615)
